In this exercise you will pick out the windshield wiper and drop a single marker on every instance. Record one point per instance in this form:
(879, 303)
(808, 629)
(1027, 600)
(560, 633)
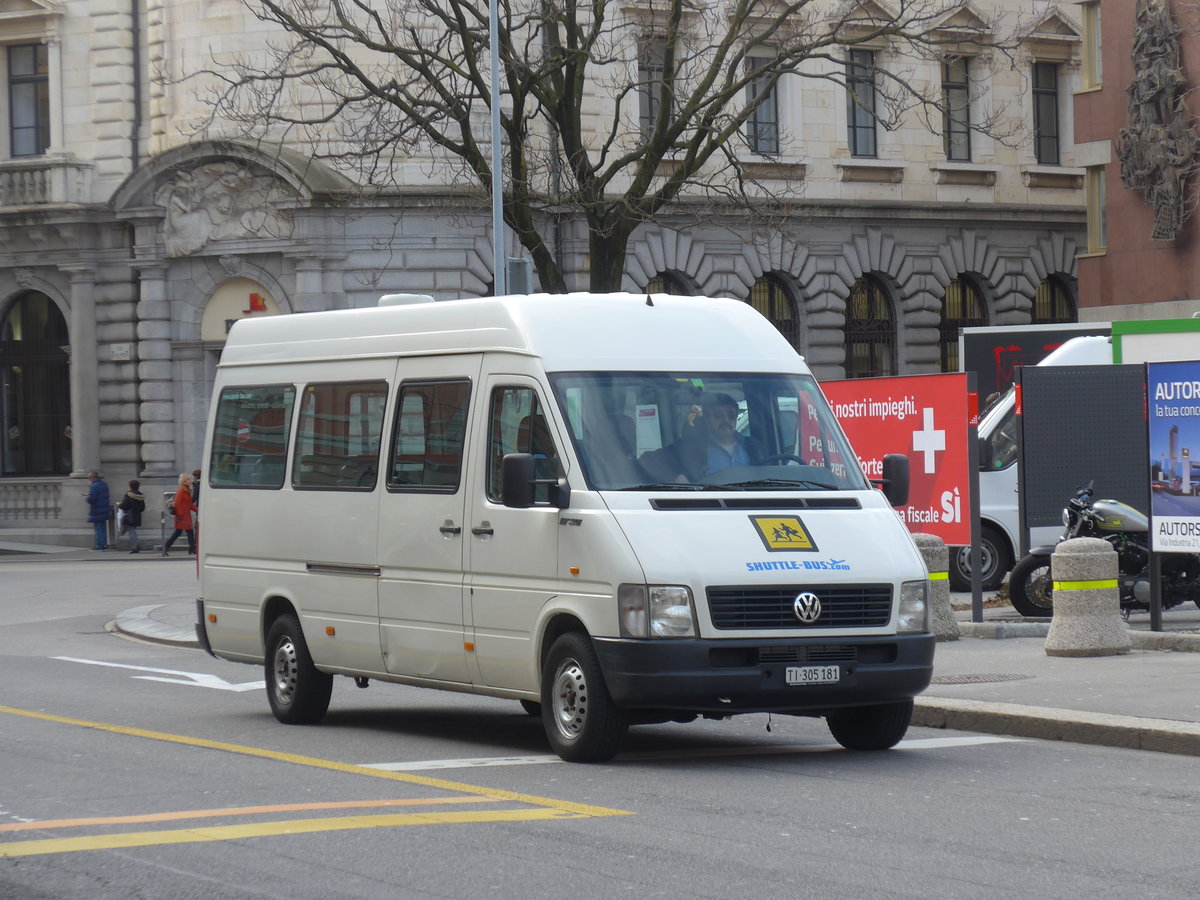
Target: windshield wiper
(784, 482)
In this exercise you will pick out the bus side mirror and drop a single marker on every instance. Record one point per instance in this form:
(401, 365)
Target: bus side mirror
(985, 454)
(895, 478)
(517, 480)
(519, 483)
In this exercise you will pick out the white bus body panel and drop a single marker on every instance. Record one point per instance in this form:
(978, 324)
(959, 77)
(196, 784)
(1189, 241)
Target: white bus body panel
(455, 590)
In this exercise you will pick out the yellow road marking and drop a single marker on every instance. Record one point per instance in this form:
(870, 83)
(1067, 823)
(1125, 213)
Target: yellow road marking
(580, 809)
(267, 829)
(47, 824)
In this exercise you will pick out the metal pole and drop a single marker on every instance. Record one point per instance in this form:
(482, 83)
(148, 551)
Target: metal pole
(973, 481)
(500, 288)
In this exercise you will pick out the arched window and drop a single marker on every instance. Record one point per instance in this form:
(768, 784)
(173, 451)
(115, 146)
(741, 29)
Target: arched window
(1053, 303)
(771, 298)
(35, 389)
(962, 307)
(870, 330)
(667, 283)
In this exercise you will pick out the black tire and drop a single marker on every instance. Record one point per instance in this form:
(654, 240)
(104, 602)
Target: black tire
(995, 559)
(871, 727)
(297, 691)
(532, 707)
(1030, 588)
(582, 723)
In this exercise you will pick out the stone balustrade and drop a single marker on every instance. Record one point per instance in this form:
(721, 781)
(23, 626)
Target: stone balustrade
(44, 181)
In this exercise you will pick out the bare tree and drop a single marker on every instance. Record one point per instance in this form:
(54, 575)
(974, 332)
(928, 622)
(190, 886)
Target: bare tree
(615, 114)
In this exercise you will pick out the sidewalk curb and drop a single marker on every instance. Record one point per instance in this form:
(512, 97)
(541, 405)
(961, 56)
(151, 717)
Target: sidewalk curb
(1181, 642)
(139, 623)
(1002, 630)
(1130, 732)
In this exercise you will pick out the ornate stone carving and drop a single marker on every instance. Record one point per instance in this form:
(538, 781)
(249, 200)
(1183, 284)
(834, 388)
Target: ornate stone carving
(232, 264)
(220, 201)
(1158, 149)
(23, 277)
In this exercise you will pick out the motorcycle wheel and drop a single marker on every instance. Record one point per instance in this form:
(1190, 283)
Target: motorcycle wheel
(1030, 589)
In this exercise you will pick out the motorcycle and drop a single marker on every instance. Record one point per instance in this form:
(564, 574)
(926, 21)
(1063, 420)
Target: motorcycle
(1030, 587)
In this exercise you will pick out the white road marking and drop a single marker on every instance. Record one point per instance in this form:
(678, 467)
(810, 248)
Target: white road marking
(483, 761)
(192, 679)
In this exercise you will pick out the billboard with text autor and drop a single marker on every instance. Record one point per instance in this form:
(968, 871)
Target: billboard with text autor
(1173, 416)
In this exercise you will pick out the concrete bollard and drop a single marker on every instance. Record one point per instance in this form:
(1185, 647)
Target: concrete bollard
(937, 561)
(1087, 602)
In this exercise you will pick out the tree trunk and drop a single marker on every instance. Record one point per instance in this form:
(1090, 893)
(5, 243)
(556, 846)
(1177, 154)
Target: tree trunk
(607, 253)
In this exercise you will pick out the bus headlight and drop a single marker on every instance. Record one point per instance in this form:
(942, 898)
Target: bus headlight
(656, 610)
(913, 615)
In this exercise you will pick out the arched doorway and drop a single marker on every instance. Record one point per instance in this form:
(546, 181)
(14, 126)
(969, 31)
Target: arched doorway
(870, 330)
(35, 388)
(962, 307)
(1053, 303)
(668, 283)
(771, 298)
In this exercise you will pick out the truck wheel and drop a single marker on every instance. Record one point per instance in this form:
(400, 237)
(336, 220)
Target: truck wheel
(871, 727)
(582, 723)
(994, 557)
(297, 691)
(1030, 590)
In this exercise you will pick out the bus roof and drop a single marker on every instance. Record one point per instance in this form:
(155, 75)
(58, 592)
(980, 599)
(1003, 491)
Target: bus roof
(569, 332)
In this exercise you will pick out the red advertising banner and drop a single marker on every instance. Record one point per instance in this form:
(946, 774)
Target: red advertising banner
(924, 417)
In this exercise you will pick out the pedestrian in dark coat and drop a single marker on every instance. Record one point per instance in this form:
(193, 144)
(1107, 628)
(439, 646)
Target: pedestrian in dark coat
(133, 504)
(99, 509)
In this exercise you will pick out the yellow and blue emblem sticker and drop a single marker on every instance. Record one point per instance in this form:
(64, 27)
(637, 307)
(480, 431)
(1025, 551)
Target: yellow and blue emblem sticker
(783, 533)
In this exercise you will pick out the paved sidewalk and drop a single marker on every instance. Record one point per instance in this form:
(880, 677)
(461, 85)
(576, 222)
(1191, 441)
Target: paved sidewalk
(996, 678)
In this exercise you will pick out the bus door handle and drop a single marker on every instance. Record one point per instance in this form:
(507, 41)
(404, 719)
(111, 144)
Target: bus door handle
(450, 529)
(484, 527)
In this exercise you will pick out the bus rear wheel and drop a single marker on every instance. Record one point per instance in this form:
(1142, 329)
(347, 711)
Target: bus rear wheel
(297, 691)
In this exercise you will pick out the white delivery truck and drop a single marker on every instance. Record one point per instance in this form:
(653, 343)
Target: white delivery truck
(582, 502)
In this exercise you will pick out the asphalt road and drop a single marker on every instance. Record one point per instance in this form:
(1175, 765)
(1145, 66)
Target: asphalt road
(140, 771)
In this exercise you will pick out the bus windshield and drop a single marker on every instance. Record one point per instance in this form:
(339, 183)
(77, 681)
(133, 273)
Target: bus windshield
(705, 430)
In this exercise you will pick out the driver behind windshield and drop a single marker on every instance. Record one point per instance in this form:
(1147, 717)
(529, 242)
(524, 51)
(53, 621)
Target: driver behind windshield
(710, 443)
(715, 432)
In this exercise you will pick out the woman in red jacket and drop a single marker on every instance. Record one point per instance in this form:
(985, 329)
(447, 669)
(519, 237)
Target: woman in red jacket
(183, 515)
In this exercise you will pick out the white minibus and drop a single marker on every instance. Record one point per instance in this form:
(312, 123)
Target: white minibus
(586, 503)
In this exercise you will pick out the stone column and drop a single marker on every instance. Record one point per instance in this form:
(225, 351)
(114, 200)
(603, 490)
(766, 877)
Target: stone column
(57, 131)
(310, 295)
(1087, 601)
(85, 394)
(156, 387)
(937, 558)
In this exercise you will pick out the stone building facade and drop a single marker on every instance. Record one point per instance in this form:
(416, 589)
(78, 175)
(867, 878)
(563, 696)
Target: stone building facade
(126, 250)
(1137, 142)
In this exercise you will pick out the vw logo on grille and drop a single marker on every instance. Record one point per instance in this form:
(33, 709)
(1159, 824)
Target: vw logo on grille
(807, 607)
